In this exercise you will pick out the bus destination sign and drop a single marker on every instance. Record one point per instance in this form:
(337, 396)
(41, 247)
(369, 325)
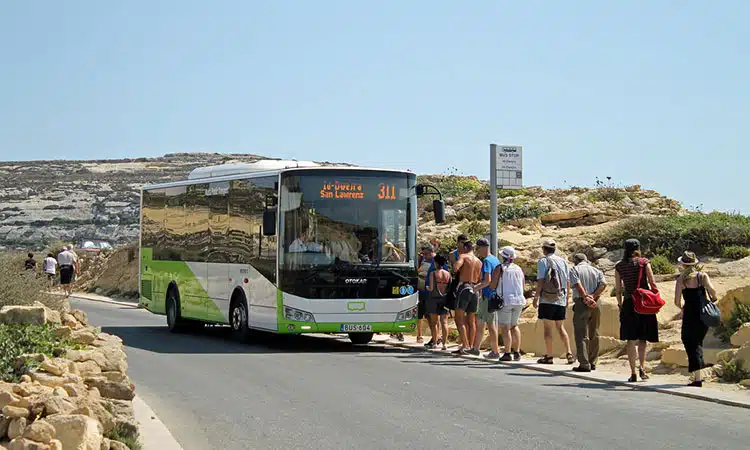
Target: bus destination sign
(356, 191)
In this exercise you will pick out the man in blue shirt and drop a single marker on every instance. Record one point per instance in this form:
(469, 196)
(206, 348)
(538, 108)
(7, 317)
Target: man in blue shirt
(489, 262)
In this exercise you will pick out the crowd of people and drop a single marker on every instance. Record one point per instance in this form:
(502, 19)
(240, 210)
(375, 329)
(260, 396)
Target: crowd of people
(66, 265)
(469, 280)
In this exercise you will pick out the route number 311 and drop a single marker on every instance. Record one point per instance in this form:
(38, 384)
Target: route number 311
(387, 192)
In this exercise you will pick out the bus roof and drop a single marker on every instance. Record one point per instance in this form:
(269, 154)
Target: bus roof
(236, 173)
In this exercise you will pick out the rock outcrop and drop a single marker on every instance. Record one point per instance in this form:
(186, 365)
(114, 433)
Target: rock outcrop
(72, 401)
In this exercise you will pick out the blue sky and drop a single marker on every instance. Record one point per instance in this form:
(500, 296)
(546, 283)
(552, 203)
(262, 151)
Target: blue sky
(648, 92)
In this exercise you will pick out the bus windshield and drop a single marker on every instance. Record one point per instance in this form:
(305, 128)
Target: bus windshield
(347, 217)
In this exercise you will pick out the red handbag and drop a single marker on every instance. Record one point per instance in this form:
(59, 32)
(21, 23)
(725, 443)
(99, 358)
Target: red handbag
(646, 301)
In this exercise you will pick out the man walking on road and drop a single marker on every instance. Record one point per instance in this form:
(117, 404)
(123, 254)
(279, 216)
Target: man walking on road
(587, 283)
(489, 263)
(469, 270)
(66, 261)
(551, 299)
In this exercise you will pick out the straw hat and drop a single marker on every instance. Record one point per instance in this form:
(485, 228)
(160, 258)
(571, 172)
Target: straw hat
(688, 259)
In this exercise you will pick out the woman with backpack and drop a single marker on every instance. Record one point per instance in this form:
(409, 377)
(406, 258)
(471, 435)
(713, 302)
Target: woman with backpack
(635, 328)
(440, 279)
(693, 285)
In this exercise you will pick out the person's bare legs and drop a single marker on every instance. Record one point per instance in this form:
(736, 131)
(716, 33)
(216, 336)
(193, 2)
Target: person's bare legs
(516, 332)
(642, 354)
(564, 336)
(433, 319)
(471, 327)
(444, 330)
(463, 341)
(419, 330)
(632, 356)
(478, 334)
(492, 325)
(549, 325)
(507, 338)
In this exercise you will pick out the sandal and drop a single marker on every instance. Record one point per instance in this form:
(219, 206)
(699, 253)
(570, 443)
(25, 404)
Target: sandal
(420, 340)
(643, 374)
(546, 360)
(571, 358)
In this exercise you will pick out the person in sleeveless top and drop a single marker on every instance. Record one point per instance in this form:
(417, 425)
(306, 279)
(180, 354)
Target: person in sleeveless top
(692, 284)
(440, 278)
(637, 329)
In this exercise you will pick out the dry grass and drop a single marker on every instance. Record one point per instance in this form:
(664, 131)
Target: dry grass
(120, 274)
(22, 287)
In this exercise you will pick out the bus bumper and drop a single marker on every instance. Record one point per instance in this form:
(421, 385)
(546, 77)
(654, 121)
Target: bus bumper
(291, 327)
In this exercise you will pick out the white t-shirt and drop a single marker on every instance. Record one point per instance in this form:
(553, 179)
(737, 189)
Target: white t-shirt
(511, 286)
(49, 265)
(65, 258)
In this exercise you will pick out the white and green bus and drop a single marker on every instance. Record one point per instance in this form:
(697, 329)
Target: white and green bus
(284, 247)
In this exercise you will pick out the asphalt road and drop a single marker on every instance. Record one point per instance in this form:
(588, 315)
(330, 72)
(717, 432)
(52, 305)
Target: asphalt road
(320, 392)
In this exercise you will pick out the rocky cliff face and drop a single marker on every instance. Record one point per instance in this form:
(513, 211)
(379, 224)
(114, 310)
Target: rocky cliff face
(45, 201)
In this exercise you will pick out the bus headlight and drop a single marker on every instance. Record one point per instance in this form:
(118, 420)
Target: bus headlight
(297, 315)
(407, 314)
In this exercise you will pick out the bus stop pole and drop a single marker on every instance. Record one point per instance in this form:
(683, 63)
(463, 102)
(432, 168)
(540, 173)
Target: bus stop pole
(493, 199)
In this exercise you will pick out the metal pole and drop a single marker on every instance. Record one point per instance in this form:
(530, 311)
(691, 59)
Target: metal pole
(493, 198)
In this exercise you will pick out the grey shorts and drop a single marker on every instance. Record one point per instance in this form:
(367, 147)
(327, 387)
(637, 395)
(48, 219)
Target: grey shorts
(482, 314)
(509, 315)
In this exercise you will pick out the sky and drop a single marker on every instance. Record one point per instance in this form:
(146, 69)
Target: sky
(653, 92)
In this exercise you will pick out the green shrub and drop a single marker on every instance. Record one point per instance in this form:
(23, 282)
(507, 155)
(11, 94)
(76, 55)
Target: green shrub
(132, 441)
(520, 210)
(456, 185)
(735, 252)
(705, 234)
(16, 340)
(740, 315)
(661, 265)
(474, 230)
(734, 371)
(606, 194)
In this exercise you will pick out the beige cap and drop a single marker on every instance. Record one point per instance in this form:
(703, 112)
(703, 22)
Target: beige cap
(549, 243)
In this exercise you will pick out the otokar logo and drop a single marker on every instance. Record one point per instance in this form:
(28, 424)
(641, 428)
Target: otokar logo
(356, 281)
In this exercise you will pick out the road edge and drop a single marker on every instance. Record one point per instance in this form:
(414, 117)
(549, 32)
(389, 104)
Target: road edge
(154, 435)
(579, 376)
(104, 300)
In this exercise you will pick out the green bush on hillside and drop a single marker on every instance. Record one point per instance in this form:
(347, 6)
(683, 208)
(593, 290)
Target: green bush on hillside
(520, 210)
(706, 234)
(740, 315)
(735, 252)
(734, 371)
(457, 186)
(661, 265)
(17, 340)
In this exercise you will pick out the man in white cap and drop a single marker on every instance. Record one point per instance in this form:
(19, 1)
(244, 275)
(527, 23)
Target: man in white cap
(551, 299)
(508, 281)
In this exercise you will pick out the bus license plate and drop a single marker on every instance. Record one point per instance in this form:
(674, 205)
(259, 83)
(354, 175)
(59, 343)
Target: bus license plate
(354, 327)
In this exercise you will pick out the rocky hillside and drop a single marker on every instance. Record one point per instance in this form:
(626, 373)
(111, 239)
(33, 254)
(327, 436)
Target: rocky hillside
(45, 201)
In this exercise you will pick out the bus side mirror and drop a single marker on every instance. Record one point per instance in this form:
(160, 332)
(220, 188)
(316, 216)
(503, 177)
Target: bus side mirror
(269, 222)
(438, 206)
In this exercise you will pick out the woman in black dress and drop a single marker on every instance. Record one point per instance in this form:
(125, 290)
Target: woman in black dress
(691, 286)
(637, 329)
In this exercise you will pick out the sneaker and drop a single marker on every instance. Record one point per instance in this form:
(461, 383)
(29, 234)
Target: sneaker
(474, 352)
(581, 369)
(430, 345)
(491, 355)
(516, 356)
(507, 357)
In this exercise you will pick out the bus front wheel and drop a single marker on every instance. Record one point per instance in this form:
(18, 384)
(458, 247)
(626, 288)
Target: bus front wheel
(360, 338)
(238, 319)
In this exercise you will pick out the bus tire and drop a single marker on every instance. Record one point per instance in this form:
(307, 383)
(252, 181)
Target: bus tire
(361, 338)
(175, 323)
(239, 318)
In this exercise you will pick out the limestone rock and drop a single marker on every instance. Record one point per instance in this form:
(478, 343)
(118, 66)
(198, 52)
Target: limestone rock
(80, 316)
(6, 398)
(4, 424)
(39, 431)
(87, 368)
(63, 332)
(745, 383)
(111, 389)
(726, 355)
(55, 445)
(10, 315)
(26, 444)
(674, 357)
(117, 377)
(117, 445)
(25, 379)
(15, 412)
(124, 416)
(742, 336)
(16, 428)
(84, 337)
(70, 321)
(106, 444)
(21, 361)
(744, 354)
(97, 409)
(46, 379)
(556, 217)
(732, 296)
(60, 392)
(57, 366)
(77, 432)
(58, 405)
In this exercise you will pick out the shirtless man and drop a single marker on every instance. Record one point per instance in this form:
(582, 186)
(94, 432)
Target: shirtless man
(469, 270)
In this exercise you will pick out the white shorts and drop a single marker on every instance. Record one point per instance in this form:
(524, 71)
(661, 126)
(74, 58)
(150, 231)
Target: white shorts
(509, 315)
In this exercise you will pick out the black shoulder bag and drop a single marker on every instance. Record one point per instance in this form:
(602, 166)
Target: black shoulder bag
(496, 301)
